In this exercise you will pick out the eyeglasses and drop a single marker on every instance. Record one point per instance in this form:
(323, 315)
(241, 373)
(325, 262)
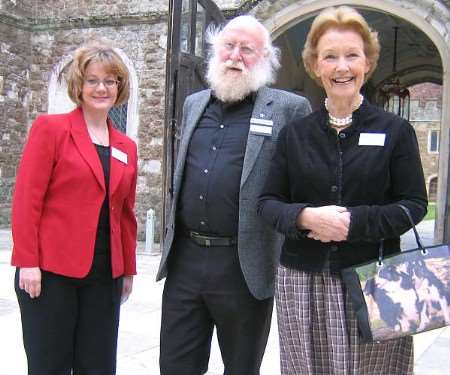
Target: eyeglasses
(108, 83)
(244, 49)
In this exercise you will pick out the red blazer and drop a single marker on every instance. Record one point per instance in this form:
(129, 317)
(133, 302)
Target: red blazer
(59, 191)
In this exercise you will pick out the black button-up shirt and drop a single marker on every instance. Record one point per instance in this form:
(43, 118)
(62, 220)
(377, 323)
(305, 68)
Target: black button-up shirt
(209, 198)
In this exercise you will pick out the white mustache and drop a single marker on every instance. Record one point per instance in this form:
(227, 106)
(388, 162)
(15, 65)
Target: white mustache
(235, 64)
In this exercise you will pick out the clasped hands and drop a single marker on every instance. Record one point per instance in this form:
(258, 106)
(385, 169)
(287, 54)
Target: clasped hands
(325, 223)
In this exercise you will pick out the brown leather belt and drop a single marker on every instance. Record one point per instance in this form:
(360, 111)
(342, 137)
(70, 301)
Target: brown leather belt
(208, 241)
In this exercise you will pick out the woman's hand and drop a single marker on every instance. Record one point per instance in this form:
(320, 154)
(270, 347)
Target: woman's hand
(326, 223)
(30, 280)
(127, 288)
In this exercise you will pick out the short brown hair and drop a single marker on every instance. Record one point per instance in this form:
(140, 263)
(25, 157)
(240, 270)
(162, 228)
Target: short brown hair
(341, 18)
(100, 52)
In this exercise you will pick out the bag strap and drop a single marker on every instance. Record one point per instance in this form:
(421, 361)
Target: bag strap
(411, 221)
(416, 235)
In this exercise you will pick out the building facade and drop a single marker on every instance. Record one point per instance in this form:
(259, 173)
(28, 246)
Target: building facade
(426, 113)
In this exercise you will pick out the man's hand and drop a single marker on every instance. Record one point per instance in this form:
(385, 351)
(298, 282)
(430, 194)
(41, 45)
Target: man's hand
(30, 280)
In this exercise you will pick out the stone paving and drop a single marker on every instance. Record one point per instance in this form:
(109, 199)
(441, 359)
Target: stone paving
(139, 327)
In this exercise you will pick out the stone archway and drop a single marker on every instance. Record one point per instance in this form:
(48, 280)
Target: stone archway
(59, 101)
(428, 16)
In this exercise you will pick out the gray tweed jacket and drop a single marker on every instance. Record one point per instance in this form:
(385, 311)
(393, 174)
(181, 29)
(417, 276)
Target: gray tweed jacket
(258, 244)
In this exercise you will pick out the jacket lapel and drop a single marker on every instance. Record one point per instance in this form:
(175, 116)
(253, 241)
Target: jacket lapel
(192, 118)
(116, 166)
(85, 146)
(262, 110)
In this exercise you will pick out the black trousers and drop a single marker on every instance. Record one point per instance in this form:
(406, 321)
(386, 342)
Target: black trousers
(205, 288)
(71, 326)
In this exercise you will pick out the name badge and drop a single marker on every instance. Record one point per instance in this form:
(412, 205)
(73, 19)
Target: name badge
(260, 121)
(372, 139)
(261, 130)
(259, 126)
(119, 155)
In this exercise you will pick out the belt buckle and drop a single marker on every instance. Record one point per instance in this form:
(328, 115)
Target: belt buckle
(203, 240)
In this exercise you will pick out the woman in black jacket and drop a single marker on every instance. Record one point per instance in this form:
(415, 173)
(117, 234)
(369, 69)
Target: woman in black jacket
(335, 181)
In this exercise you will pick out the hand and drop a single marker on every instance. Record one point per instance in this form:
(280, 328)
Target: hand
(30, 280)
(127, 288)
(326, 223)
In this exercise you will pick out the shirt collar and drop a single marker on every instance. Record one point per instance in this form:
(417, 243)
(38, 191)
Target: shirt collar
(251, 98)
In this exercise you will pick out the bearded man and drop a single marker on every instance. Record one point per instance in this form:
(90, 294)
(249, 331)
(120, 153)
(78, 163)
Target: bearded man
(219, 256)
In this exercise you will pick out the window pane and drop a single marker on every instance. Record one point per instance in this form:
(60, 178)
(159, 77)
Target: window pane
(200, 30)
(118, 116)
(185, 26)
(434, 141)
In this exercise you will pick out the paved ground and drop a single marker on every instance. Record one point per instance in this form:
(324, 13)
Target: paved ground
(139, 329)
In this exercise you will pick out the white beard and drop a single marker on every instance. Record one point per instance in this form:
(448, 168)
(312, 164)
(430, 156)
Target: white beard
(234, 88)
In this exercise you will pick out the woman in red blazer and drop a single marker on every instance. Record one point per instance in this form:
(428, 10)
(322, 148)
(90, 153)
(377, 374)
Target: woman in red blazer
(73, 223)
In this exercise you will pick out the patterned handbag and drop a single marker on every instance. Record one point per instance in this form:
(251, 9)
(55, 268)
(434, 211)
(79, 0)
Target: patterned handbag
(401, 294)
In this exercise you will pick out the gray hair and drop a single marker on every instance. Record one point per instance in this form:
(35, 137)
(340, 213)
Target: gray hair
(271, 53)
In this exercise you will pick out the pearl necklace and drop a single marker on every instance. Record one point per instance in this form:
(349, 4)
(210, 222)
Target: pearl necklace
(340, 122)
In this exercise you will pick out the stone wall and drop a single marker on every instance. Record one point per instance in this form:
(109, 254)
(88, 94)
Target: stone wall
(14, 107)
(72, 9)
(28, 55)
(16, 8)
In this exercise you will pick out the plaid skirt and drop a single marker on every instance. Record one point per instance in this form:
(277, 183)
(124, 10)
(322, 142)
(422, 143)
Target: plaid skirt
(319, 335)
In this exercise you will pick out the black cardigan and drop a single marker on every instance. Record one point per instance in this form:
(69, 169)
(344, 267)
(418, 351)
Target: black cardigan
(315, 166)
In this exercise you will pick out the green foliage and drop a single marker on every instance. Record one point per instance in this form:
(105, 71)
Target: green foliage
(431, 214)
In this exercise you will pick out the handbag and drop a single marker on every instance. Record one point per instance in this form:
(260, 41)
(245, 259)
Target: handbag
(401, 294)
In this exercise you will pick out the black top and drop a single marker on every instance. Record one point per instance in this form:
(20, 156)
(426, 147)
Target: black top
(315, 166)
(101, 264)
(209, 198)
(102, 242)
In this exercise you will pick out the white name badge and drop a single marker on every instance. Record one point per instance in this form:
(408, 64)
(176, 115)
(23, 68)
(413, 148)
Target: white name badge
(261, 130)
(119, 155)
(372, 139)
(260, 121)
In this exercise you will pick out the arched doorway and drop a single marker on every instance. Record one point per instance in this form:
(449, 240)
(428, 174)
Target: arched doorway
(292, 21)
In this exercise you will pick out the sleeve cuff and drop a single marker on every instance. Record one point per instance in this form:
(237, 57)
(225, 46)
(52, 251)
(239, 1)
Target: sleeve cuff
(293, 231)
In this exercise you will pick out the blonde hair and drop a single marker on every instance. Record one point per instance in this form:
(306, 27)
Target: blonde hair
(100, 52)
(341, 18)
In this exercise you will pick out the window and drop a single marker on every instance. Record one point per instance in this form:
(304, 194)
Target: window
(433, 141)
(118, 116)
